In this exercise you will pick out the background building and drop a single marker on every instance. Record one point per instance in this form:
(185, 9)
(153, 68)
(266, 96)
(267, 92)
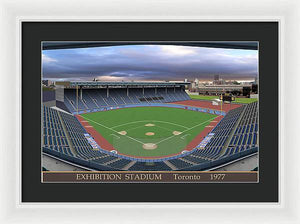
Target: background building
(47, 82)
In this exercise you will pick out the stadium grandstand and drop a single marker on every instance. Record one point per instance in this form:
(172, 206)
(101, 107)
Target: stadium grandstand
(229, 135)
(92, 96)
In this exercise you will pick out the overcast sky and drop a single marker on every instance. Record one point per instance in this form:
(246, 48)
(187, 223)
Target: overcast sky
(149, 62)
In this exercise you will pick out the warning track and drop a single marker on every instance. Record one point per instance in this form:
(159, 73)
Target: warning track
(207, 104)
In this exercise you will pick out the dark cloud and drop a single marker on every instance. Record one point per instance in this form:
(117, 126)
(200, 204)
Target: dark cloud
(149, 63)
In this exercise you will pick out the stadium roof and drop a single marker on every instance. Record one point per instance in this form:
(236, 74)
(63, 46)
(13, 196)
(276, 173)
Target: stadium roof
(246, 45)
(153, 84)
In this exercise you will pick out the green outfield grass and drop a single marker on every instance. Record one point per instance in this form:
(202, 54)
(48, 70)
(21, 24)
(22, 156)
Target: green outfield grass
(133, 121)
(237, 100)
(245, 100)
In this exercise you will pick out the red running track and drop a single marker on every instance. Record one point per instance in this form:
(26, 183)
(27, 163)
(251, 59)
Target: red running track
(207, 104)
(203, 133)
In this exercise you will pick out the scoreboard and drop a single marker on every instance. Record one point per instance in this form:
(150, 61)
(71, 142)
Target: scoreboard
(227, 97)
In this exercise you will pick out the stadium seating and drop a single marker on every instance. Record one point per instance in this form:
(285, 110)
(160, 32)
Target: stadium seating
(53, 135)
(245, 135)
(97, 98)
(120, 163)
(150, 167)
(238, 128)
(58, 127)
(235, 133)
(179, 163)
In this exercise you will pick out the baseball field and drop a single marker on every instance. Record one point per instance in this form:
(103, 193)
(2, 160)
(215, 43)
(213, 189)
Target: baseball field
(149, 131)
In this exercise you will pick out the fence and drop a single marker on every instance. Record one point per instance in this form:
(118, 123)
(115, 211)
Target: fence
(199, 109)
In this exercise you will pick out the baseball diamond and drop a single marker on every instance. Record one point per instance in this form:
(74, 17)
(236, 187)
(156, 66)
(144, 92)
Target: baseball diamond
(169, 125)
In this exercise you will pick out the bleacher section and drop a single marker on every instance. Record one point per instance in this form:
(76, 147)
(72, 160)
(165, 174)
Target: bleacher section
(179, 163)
(161, 166)
(54, 136)
(222, 131)
(76, 135)
(58, 126)
(239, 126)
(97, 98)
(234, 136)
(246, 134)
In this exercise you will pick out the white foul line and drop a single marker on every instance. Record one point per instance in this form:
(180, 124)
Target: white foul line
(183, 137)
(114, 130)
(115, 135)
(186, 130)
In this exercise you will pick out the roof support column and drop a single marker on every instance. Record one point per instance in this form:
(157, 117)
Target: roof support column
(81, 92)
(155, 90)
(77, 97)
(143, 90)
(166, 90)
(127, 91)
(107, 91)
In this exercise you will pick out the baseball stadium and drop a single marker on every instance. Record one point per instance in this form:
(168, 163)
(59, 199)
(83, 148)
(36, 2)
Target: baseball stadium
(144, 126)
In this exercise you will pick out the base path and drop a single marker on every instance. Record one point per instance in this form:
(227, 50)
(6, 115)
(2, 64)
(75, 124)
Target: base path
(101, 141)
(207, 104)
(202, 135)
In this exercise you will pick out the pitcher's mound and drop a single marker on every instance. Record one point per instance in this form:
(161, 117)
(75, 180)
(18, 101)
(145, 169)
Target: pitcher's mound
(150, 133)
(149, 125)
(122, 132)
(176, 132)
(149, 146)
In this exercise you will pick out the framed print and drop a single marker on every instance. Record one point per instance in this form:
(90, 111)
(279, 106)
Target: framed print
(133, 41)
(153, 108)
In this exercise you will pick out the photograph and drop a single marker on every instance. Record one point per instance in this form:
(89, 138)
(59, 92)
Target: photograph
(150, 111)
